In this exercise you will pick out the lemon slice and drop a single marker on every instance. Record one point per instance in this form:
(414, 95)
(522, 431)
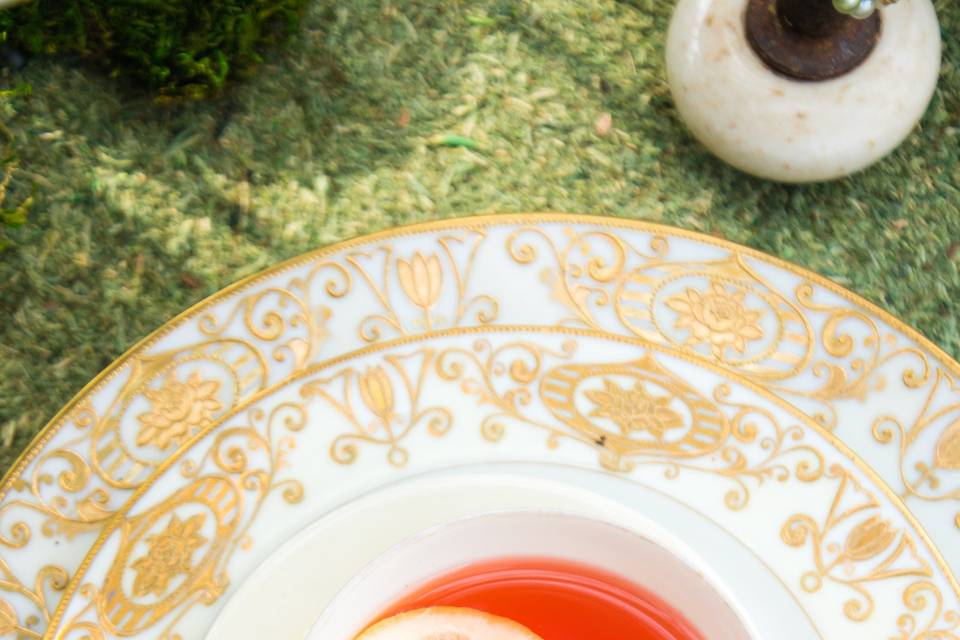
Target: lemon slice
(447, 623)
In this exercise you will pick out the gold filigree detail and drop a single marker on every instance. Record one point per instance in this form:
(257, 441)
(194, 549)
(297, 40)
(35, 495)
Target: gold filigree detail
(504, 381)
(266, 336)
(586, 268)
(752, 445)
(854, 546)
(178, 409)
(170, 555)
(926, 622)
(857, 352)
(718, 317)
(80, 629)
(947, 452)
(77, 487)
(635, 409)
(524, 384)
(383, 404)
(284, 323)
(421, 279)
(30, 625)
(176, 554)
(868, 539)
(377, 393)
(390, 407)
(722, 310)
(928, 467)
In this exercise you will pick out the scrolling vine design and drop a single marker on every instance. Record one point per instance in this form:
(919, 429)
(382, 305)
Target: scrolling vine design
(722, 310)
(175, 555)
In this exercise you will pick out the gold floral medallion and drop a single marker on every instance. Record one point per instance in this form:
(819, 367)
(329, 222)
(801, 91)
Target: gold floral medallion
(170, 555)
(717, 317)
(635, 409)
(178, 409)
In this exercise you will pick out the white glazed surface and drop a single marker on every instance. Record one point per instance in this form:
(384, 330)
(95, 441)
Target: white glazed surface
(447, 547)
(833, 437)
(791, 131)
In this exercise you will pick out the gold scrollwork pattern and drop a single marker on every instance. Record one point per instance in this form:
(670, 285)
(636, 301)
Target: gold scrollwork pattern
(929, 443)
(176, 555)
(634, 413)
(722, 310)
(425, 289)
(639, 413)
(435, 284)
(15, 599)
(170, 397)
(855, 546)
(926, 618)
(259, 340)
(275, 321)
(800, 343)
(74, 489)
(383, 405)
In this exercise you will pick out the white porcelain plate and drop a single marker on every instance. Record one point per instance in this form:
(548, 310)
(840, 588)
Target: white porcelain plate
(668, 375)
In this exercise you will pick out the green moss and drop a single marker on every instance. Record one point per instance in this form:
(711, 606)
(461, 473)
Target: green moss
(140, 212)
(14, 213)
(174, 48)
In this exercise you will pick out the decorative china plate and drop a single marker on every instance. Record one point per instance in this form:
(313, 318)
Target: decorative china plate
(671, 375)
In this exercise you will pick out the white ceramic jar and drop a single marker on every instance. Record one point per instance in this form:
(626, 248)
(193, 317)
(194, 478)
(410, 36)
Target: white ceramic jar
(788, 130)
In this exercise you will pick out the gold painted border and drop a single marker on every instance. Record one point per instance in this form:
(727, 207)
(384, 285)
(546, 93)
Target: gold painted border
(467, 222)
(117, 518)
(481, 222)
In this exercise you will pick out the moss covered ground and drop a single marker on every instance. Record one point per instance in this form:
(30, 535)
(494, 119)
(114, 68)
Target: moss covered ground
(141, 210)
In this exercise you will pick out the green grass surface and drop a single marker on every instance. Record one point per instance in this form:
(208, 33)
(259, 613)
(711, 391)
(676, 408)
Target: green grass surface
(141, 211)
(177, 50)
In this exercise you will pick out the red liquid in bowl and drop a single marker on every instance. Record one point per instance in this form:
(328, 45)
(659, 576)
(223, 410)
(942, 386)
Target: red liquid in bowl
(556, 599)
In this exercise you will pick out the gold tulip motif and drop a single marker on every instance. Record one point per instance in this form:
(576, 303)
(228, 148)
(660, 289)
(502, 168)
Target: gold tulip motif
(869, 539)
(377, 392)
(422, 280)
(948, 448)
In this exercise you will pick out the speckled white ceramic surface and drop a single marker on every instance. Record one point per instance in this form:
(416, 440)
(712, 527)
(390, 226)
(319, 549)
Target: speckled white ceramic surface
(792, 131)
